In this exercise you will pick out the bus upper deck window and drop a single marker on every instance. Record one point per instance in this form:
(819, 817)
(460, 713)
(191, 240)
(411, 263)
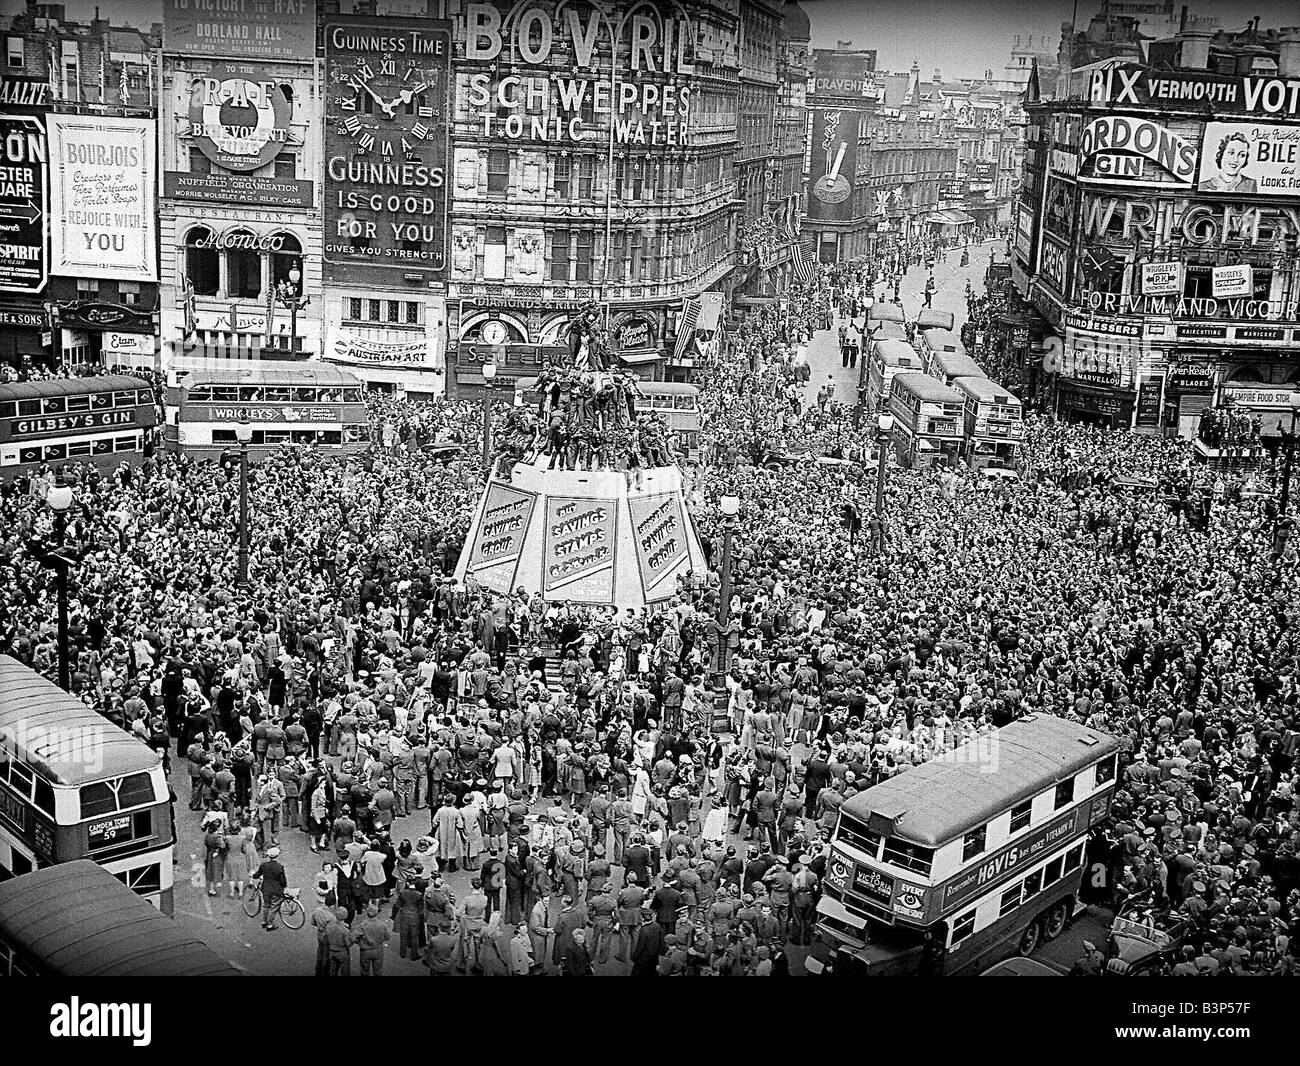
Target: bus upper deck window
(29, 407)
(351, 395)
(54, 405)
(78, 403)
(100, 401)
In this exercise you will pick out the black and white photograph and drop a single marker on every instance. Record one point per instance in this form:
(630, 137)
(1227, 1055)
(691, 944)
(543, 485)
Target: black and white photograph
(652, 488)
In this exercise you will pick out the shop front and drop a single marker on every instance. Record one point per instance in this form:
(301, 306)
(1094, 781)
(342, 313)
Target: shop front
(99, 333)
(25, 338)
(1095, 405)
(1189, 390)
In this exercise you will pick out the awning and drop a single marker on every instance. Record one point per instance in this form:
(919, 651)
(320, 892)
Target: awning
(949, 218)
(640, 358)
(753, 301)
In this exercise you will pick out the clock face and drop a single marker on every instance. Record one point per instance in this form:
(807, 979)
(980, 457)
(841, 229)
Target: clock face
(386, 104)
(493, 332)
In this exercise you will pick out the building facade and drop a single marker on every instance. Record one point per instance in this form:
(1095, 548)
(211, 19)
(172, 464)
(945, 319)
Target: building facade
(1158, 234)
(240, 148)
(79, 284)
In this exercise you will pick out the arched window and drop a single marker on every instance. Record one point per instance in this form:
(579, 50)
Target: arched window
(243, 269)
(1246, 373)
(201, 261)
(285, 258)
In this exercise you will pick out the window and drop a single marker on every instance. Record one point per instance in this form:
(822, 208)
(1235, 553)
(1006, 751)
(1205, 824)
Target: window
(586, 176)
(854, 832)
(1020, 815)
(561, 177)
(973, 843)
(288, 256)
(1010, 901)
(201, 261)
(1064, 793)
(1052, 871)
(909, 856)
(54, 405)
(87, 287)
(130, 291)
(1074, 857)
(963, 927)
(498, 170)
(199, 163)
(582, 261)
(78, 403)
(494, 253)
(1033, 884)
(105, 797)
(412, 314)
(373, 310)
(286, 166)
(15, 53)
(560, 255)
(244, 272)
(1106, 770)
(354, 308)
(394, 310)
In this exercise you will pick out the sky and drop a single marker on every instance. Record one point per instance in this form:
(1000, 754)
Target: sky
(961, 38)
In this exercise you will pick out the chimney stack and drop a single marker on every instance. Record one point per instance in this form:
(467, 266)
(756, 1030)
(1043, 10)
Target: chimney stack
(1288, 54)
(1195, 50)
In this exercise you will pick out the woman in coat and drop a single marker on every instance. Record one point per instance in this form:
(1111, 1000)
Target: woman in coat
(242, 859)
(495, 954)
(449, 831)
(516, 884)
(472, 827)
(640, 792)
(214, 857)
(521, 952)
(539, 929)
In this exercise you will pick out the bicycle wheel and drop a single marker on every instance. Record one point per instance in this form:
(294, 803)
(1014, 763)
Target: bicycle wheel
(252, 901)
(293, 914)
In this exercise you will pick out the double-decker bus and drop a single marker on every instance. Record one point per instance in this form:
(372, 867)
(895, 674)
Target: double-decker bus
(994, 424)
(888, 357)
(75, 786)
(977, 855)
(303, 405)
(930, 341)
(101, 420)
(929, 420)
(77, 920)
(947, 365)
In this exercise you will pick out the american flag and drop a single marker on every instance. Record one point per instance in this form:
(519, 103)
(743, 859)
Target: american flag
(805, 263)
(686, 328)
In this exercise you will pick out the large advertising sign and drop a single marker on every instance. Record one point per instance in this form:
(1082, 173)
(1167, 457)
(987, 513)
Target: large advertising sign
(659, 529)
(1250, 159)
(386, 122)
(1137, 151)
(239, 117)
(241, 29)
(102, 186)
(580, 548)
(1194, 90)
(494, 555)
(23, 204)
(1162, 279)
(269, 193)
(834, 162)
(528, 96)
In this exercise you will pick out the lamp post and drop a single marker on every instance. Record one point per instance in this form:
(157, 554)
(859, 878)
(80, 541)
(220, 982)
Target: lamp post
(489, 376)
(59, 499)
(729, 506)
(243, 434)
(289, 296)
(884, 427)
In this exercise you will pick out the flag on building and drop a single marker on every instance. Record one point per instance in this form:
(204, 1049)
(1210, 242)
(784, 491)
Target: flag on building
(805, 263)
(686, 328)
(187, 298)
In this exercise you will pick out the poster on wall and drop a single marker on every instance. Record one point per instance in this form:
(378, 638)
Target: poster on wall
(23, 202)
(834, 164)
(102, 197)
(1250, 159)
(659, 531)
(386, 122)
(1237, 280)
(499, 540)
(241, 29)
(239, 117)
(1135, 151)
(580, 548)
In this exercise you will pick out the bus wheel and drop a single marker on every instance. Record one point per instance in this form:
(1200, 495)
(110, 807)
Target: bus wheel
(1055, 920)
(1030, 938)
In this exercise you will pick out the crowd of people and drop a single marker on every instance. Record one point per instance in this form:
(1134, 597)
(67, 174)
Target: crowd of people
(580, 800)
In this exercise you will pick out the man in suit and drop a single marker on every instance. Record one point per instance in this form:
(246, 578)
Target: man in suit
(649, 946)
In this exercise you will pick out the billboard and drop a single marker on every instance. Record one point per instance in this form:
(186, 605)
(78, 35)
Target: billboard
(1194, 90)
(834, 164)
(1250, 159)
(1136, 151)
(23, 204)
(659, 531)
(386, 124)
(243, 29)
(499, 539)
(580, 549)
(268, 193)
(1162, 279)
(239, 117)
(103, 215)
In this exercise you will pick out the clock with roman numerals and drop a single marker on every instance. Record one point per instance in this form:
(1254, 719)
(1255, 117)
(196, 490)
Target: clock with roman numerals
(386, 104)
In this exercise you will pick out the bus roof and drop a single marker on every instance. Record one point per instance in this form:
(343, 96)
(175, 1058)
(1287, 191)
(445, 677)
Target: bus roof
(48, 730)
(886, 312)
(26, 390)
(304, 375)
(887, 330)
(669, 388)
(943, 340)
(77, 920)
(927, 388)
(957, 365)
(928, 317)
(981, 388)
(895, 349)
(945, 798)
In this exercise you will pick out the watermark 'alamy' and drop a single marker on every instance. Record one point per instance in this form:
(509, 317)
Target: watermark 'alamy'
(121, 1020)
(82, 745)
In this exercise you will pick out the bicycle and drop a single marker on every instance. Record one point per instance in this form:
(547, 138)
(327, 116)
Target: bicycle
(290, 911)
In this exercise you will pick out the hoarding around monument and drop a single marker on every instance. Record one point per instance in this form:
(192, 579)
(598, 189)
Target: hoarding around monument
(580, 549)
(658, 530)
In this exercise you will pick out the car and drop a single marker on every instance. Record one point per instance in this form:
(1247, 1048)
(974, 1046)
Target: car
(1142, 939)
(445, 451)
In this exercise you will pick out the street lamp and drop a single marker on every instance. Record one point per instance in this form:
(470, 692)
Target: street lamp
(884, 427)
(289, 296)
(58, 500)
(729, 507)
(489, 376)
(243, 434)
